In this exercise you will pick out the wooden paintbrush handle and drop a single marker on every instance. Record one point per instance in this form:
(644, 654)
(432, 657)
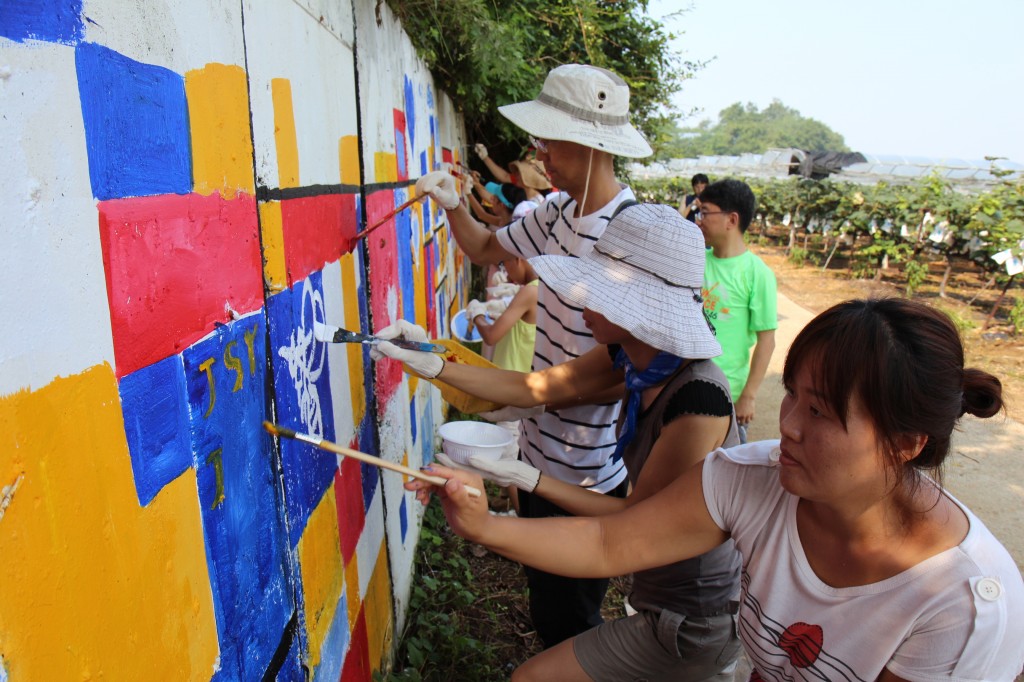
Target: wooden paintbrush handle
(388, 217)
(393, 466)
(283, 432)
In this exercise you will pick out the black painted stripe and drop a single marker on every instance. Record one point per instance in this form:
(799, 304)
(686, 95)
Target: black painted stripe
(306, 191)
(283, 647)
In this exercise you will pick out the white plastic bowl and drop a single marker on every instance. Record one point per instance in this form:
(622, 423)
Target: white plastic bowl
(462, 440)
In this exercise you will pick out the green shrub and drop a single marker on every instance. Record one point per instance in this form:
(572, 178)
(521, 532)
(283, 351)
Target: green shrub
(1017, 315)
(437, 644)
(797, 256)
(862, 269)
(961, 322)
(916, 273)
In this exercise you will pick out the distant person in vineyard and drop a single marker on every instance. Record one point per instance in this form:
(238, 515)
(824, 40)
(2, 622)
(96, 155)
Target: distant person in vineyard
(739, 293)
(691, 202)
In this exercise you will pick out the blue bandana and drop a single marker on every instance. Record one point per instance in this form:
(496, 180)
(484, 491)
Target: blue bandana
(661, 368)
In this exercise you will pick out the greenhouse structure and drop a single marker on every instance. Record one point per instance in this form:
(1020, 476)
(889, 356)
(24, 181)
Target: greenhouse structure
(780, 163)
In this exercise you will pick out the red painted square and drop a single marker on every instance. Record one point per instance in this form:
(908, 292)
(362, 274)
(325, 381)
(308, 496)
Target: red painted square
(401, 157)
(173, 264)
(348, 491)
(382, 250)
(430, 255)
(357, 658)
(317, 230)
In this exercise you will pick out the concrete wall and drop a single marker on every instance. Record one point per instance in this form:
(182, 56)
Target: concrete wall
(184, 180)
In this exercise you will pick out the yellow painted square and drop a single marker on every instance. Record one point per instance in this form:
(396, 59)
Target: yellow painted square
(377, 608)
(218, 113)
(285, 137)
(323, 578)
(348, 152)
(355, 599)
(385, 166)
(275, 271)
(88, 574)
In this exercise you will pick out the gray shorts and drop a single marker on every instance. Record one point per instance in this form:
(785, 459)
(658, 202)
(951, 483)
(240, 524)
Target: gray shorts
(653, 646)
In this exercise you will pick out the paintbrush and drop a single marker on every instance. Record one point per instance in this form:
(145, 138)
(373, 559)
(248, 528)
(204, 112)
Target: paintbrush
(386, 218)
(394, 212)
(282, 432)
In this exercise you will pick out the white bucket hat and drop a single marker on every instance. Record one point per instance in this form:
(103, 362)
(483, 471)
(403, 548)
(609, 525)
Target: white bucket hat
(584, 104)
(645, 275)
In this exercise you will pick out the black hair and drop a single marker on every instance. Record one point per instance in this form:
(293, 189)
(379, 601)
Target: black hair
(732, 195)
(699, 177)
(904, 362)
(513, 193)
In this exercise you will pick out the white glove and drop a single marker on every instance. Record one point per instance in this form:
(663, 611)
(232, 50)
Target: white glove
(504, 472)
(403, 329)
(481, 151)
(474, 309)
(467, 185)
(426, 365)
(503, 290)
(440, 185)
(495, 307)
(510, 413)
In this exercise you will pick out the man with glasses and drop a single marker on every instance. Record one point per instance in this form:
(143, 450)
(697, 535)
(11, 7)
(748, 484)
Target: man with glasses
(578, 123)
(739, 293)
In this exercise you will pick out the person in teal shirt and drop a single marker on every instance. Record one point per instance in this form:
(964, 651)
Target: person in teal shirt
(739, 293)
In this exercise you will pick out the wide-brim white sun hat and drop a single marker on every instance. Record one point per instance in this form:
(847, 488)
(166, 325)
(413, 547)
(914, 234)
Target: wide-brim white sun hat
(645, 274)
(584, 104)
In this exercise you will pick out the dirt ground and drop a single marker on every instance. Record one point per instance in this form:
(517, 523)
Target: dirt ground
(995, 349)
(986, 470)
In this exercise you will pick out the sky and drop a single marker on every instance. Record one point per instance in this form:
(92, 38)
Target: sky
(930, 78)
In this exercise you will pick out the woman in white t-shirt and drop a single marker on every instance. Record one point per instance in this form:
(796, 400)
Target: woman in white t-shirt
(857, 565)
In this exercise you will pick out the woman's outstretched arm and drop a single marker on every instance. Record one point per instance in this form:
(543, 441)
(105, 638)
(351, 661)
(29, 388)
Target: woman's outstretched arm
(655, 532)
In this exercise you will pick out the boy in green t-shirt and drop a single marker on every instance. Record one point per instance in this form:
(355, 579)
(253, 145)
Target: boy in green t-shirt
(739, 293)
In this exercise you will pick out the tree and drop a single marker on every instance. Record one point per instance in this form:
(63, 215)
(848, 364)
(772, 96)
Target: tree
(486, 53)
(744, 129)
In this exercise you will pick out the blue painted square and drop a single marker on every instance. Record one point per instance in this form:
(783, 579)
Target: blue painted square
(136, 125)
(335, 646)
(154, 405)
(239, 499)
(52, 21)
(302, 397)
(410, 112)
(403, 235)
(412, 417)
(403, 172)
(403, 516)
(427, 442)
(370, 473)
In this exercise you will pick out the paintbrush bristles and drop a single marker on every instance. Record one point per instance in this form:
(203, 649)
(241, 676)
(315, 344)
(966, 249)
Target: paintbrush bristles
(279, 431)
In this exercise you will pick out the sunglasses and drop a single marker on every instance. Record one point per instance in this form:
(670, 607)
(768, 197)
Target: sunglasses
(538, 144)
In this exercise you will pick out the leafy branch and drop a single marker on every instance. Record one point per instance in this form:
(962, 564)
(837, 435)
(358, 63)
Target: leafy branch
(486, 53)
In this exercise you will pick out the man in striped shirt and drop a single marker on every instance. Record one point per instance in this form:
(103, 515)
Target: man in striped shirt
(578, 123)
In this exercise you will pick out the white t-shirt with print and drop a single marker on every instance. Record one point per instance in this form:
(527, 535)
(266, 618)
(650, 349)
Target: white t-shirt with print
(575, 444)
(958, 615)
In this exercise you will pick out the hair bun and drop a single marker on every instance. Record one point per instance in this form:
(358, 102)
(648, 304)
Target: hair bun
(983, 394)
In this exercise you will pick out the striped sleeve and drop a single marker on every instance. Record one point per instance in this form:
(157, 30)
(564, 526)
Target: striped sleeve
(528, 236)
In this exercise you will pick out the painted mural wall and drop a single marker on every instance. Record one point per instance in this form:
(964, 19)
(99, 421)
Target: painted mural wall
(184, 181)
